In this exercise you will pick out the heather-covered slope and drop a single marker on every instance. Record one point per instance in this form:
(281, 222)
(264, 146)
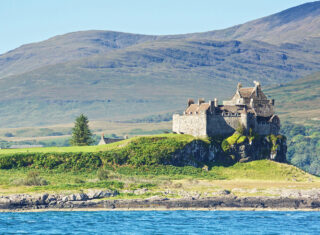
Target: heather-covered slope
(63, 48)
(298, 101)
(120, 76)
(292, 25)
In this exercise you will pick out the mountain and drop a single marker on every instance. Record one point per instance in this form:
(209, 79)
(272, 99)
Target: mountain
(118, 76)
(298, 101)
(292, 25)
(63, 48)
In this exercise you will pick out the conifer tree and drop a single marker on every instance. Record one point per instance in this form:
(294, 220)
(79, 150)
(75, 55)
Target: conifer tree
(81, 134)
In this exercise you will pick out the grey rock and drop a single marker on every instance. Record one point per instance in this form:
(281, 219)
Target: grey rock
(64, 199)
(81, 197)
(140, 191)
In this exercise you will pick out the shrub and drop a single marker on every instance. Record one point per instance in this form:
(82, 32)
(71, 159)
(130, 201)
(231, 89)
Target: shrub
(102, 174)
(33, 179)
(79, 181)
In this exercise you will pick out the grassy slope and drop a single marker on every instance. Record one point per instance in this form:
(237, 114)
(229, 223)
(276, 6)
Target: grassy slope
(119, 71)
(298, 101)
(257, 174)
(112, 146)
(105, 86)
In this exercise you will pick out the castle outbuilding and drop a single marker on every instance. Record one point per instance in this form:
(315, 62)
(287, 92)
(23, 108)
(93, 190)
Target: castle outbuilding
(249, 108)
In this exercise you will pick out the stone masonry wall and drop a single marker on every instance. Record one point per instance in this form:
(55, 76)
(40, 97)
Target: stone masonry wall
(195, 124)
(219, 125)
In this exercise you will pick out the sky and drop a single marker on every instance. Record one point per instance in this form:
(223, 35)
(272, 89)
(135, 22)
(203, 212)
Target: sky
(27, 21)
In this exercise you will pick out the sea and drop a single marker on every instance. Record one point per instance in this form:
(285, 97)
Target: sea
(161, 222)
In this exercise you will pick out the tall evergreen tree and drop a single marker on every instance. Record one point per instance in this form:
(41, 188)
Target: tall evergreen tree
(81, 134)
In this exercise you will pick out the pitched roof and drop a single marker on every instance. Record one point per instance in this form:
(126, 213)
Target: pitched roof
(195, 108)
(246, 92)
(230, 108)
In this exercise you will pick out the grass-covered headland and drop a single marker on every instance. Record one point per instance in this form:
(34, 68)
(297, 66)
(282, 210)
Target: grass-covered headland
(140, 163)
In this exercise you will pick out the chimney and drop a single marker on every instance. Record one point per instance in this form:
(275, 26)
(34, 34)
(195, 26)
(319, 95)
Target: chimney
(256, 87)
(190, 102)
(239, 86)
(215, 102)
(251, 103)
(200, 101)
(211, 103)
(272, 101)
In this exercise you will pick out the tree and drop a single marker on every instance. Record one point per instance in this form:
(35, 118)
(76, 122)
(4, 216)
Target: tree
(81, 134)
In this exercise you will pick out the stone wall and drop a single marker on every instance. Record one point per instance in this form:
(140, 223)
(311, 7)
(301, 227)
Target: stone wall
(216, 124)
(195, 124)
(219, 125)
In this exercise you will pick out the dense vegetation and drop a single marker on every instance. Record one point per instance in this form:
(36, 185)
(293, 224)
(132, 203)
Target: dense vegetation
(140, 151)
(303, 146)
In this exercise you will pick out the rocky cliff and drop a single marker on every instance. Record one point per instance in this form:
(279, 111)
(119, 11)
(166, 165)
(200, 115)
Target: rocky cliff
(227, 151)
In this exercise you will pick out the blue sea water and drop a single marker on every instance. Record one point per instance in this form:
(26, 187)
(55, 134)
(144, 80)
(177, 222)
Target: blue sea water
(161, 222)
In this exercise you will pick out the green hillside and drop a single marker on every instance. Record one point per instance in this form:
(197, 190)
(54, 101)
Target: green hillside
(144, 79)
(137, 165)
(119, 76)
(298, 101)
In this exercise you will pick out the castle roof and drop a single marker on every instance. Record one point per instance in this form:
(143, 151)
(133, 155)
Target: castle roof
(195, 108)
(246, 92)
(229, 108)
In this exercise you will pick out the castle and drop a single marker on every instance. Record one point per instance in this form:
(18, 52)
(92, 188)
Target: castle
(249, 108)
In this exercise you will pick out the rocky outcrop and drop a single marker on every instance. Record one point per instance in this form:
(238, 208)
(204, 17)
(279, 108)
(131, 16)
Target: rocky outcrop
(241, 149)
(20, 201)
(263, 147)
(46, 201)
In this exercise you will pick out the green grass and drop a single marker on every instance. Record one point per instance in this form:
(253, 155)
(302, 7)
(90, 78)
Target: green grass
(90, 149)
(262, 170)
(157, 178)
(130, 164)
(152, 150)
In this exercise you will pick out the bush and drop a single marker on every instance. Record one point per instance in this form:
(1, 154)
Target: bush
(79, 181)
(102, 174)
(33, 179)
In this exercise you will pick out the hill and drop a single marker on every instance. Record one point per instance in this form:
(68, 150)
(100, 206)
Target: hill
(119, 76)
(63, 48)
(293, 25)
(298, 101)
(81, 168)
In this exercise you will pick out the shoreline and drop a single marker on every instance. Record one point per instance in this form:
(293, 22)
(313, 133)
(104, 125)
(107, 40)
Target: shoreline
(222, 203)
(152, 209)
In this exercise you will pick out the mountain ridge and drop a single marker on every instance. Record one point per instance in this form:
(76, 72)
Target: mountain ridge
(116, 76)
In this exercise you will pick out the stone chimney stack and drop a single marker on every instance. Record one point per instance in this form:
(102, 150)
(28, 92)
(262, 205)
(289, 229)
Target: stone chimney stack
(215, 102)
(256, 87)
(190, 102)
(272, 102)
(211, 103)
(239, 86)
(200, 101)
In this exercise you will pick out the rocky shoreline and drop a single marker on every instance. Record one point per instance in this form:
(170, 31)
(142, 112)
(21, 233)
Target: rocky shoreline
(102, 200)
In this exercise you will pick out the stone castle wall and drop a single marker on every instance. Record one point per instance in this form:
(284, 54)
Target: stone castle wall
(215, 124)
(220, 125)
(195, 125)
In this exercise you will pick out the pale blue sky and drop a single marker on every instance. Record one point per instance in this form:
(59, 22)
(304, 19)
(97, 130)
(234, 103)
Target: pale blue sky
(26, 21)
